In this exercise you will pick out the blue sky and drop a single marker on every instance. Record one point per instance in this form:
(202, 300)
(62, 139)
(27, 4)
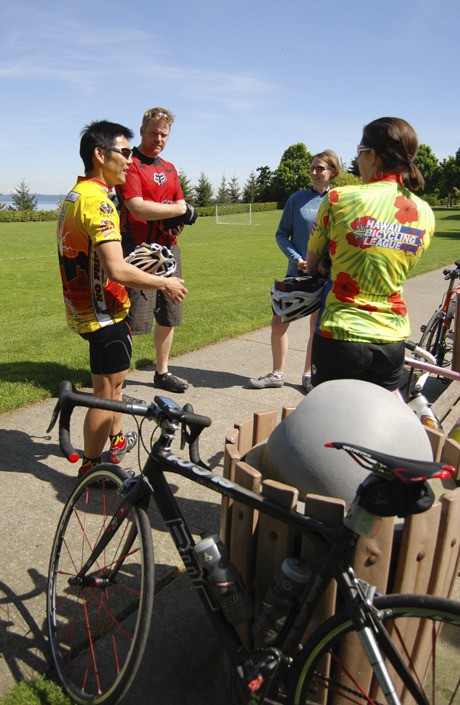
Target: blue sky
(245, 79)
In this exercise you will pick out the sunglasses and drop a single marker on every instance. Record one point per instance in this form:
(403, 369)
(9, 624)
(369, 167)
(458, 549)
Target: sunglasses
(124, 151)
(319, 169)
(361, 148)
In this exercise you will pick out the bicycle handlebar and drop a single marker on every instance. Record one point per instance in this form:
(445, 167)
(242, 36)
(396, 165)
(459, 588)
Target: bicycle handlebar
(452, 273)
(421, 352)
(162, 409)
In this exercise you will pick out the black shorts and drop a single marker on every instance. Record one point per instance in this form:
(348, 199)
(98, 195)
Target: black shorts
(380, 363)
(110, 348)
(150, 304)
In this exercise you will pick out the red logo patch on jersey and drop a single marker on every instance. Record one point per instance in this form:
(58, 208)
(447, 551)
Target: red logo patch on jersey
(106, 208)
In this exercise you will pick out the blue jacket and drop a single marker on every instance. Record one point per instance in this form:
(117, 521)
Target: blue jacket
(295, 225)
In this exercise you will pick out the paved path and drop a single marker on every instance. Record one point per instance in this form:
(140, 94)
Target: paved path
(182, 665)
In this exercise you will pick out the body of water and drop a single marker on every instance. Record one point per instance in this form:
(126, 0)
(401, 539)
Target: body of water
(41, 205)
(47, 206)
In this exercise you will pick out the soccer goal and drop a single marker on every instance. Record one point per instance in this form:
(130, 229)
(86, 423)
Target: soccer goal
(234, 214)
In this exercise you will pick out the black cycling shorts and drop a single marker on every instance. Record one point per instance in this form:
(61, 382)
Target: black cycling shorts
(380, 363)
(110, 348)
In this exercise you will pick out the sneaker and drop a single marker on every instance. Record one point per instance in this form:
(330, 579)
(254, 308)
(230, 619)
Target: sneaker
(306, 383)
(119, 449)
(168, 382)
(273, 379)
(86, 466)
(131, 400)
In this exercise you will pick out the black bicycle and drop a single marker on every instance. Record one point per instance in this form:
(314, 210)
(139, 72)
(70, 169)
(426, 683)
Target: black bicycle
(101, 581)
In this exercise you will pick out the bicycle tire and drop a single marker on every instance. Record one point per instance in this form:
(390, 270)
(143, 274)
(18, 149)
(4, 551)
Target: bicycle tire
(97, 635)
(427, 342)
(321, 675)
(436, 342)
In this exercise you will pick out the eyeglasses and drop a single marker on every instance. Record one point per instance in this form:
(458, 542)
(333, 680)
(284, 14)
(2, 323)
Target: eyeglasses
(361, 148)
(319, 169)
(124, 151)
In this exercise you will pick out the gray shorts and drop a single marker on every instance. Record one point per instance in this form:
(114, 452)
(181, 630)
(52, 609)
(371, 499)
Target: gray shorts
(152, 304)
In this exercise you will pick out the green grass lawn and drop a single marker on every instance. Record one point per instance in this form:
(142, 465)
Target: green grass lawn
(228, 270)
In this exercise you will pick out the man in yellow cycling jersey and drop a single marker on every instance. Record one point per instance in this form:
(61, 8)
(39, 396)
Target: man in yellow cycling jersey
(94, 275)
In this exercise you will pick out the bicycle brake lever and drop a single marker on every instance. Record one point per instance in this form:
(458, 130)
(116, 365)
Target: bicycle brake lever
(54, 416)
(184, 436)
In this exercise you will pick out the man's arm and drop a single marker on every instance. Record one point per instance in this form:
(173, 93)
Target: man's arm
(151, 210)
(116, 268)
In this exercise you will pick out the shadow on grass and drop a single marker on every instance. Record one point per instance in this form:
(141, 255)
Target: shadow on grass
(43, 375)
(452, 216)
(448, 234)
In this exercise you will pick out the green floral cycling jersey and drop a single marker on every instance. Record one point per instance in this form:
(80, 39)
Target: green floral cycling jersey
(374, 234)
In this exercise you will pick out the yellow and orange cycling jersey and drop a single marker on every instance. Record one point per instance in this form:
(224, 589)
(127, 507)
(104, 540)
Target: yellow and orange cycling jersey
(374, 235)
(87, 219)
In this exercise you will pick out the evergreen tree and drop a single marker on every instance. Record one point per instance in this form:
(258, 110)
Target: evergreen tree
(234, 190)
(353, 168)
(293, 172)
(223, 194)
(187, 187)
(264, 184)
(250, 188)
(203, 192)
(24, 200)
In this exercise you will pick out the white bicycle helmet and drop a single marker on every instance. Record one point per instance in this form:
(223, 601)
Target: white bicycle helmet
(295, 297)
(153, 258)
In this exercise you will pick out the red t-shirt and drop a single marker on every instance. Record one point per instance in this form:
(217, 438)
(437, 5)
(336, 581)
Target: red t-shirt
(153, 180)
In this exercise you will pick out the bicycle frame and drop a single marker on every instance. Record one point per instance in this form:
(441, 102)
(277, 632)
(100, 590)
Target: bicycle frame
(336, 564)
(433, 369)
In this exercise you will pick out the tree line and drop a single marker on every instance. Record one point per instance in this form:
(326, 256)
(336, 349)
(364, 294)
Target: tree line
(292, 174)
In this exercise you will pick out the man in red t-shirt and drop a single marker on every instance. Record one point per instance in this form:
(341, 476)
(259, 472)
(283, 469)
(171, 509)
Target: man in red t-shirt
(153, 209)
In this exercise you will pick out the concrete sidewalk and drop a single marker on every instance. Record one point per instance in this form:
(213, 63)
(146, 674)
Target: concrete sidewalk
(182, 664)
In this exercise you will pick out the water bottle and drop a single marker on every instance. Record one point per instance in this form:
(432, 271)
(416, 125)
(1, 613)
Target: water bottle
(280, 602)
(454, 433)
(225, 580)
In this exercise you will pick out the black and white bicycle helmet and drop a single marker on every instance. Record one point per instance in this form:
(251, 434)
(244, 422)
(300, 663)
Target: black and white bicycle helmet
(153, 258)
(295, 297)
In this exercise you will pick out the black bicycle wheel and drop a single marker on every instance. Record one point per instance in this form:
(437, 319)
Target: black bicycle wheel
(332, 667)
(98, 632)
(429, 341)
(435, 340)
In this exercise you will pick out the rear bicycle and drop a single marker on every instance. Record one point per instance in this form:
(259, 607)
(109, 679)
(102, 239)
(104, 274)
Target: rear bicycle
(99, 618)
(438, 335)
